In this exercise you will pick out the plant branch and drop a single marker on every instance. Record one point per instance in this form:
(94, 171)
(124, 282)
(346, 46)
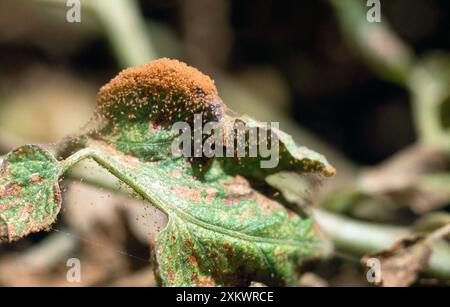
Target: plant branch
(124, 27)
(390, 58)
(360, 238)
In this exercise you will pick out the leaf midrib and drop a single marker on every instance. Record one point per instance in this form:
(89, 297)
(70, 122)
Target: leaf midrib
(186, 217)
(116, 168)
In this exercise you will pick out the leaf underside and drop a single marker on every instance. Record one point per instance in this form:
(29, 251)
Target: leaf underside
(30, 197)
(221, 230)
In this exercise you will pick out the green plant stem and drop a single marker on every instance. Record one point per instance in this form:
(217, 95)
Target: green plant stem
(425, 102)
(122, 24)
(55, 248)
(93, 154)
(126, 31)
(360, 238)
(390, 58)
(376, 44)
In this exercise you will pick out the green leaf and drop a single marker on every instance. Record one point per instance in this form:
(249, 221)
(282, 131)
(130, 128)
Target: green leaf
(221, 230)
(291, 157)
(30, 197)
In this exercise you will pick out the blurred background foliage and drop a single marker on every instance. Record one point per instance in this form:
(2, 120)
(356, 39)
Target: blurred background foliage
(372, 97)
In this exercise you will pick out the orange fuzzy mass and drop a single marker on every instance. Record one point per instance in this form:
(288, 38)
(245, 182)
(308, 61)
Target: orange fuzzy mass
(174, 83)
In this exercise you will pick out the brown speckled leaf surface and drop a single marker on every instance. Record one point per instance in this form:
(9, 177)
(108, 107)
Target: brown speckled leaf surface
(221, 230)
(30, 197)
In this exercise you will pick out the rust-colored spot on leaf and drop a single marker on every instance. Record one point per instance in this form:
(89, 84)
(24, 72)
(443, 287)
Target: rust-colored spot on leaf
(188, 244)
(36, 178)
(188, 193)
(204, 281)
(170, 274)
(192, 260)
(12, 190)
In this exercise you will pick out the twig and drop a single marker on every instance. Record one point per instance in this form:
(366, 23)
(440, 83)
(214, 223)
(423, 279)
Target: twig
(124, 27)
(390, 58)
(361, 238)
